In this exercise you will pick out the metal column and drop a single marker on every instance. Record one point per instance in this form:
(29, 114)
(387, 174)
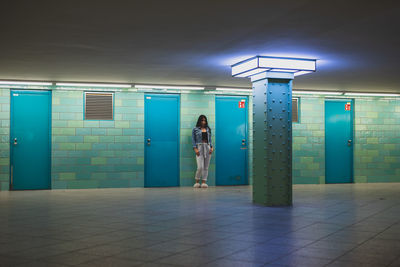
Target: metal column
(272, 142)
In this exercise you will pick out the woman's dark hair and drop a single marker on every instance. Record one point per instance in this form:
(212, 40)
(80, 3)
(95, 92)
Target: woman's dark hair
(198, 124)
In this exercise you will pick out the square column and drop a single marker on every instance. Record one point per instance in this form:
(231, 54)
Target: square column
(272, 154)
(272, 113)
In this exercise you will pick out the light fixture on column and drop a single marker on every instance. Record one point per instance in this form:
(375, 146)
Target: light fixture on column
(264, 64)
(272, 79)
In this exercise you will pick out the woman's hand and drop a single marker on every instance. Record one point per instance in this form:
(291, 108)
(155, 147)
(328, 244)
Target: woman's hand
(196, 151)
(211, 150)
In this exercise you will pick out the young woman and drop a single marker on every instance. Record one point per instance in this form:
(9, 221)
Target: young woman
(202, 146)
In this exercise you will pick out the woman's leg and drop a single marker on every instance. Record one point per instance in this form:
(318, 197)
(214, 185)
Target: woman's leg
(200, 166)
(205, 170)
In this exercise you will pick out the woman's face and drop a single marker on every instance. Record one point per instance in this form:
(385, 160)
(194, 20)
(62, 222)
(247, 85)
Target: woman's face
(203, 122)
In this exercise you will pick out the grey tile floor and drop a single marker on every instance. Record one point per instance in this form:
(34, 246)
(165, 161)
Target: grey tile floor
(328, 225)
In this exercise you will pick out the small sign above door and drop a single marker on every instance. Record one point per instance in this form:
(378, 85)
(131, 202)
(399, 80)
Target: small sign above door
(347, 106)
(242, 104)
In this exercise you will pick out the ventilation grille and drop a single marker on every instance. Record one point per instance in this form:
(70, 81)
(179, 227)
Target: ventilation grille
(98, 106)
(295, 110)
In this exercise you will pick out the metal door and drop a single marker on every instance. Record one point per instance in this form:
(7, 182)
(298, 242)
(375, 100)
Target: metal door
(339, 141)
(231, 140)
(30, 139)
(161, 140)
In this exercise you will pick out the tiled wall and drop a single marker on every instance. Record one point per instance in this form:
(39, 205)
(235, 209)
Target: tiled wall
(97, 154)
(309, 142)
(4, 138)
(192, 105)
(377, 140)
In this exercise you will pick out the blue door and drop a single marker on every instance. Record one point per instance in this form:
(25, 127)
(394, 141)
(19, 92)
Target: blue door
(30, 139)
(231, 140)
(339, 141)
(161, 140)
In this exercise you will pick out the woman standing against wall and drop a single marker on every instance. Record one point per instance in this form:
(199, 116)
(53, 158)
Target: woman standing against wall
(202, 146)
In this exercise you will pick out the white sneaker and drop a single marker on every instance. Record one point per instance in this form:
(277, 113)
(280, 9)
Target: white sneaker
(196, 185)
(204, 185)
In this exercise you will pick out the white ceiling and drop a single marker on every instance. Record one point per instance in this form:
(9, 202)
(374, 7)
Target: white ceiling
(194, 42)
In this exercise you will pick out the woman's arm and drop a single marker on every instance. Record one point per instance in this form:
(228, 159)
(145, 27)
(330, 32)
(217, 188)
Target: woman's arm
(194, 142)
(194, 138)
(209, 137)
(210, 142)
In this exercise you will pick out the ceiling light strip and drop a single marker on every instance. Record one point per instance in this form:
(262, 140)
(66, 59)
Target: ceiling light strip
(25, 83)
(316, 93)
(233, 89)
(148, 86)
(108, 85)
(370, 94)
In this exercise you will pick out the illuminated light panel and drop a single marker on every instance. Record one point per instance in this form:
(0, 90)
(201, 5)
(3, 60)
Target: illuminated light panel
(286, 63)
(284, 70)
(244, 66)
(26, 83)
(371, 94)
(272, 75)
(113, 85)
(259, 76)
(250, 73)
(301, 73)
(233, 89)
(258, 64)
(147, 86)
(316, 93)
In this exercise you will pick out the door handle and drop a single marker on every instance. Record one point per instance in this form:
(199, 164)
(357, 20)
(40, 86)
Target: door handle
(349, 142)
(15, 141)
(148, 141)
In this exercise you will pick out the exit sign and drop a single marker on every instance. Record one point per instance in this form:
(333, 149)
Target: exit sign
(347, 106)
(242, 103)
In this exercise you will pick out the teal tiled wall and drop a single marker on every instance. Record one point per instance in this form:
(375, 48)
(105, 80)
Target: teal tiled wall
(192, 106)
(309, 142)
(4, 139)
(377, 140)
(97, 154)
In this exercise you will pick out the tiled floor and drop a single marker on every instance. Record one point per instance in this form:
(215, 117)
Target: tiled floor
(328, 225)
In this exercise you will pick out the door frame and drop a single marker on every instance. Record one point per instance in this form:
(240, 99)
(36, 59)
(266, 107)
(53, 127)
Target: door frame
(351, 100)
(246, 167)
(50, 95)
(178, 96)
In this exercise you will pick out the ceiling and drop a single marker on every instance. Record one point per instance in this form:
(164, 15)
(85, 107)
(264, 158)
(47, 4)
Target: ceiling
(195, 42)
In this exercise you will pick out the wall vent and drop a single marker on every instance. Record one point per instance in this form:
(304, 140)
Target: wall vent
(99, 106)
